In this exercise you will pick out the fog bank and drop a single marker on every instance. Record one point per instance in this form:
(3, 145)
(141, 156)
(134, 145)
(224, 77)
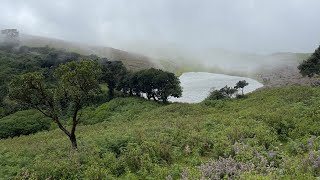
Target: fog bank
(247, 26)
(230, 34)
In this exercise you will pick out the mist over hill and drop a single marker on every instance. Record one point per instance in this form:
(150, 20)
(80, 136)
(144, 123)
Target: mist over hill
(131, 60)
(177, 59)
(273, 70)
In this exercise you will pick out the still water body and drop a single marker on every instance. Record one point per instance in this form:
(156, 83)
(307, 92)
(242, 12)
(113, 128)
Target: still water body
(197, 85)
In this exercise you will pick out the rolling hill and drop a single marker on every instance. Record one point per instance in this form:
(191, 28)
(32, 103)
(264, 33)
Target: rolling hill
(131, 60)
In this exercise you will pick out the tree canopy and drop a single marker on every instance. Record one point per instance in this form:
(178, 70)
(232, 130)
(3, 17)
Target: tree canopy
(154, 83)
(112, 73)
(311, 66)
(25, 59)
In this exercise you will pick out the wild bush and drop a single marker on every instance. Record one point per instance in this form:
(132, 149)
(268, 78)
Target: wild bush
(23, 123)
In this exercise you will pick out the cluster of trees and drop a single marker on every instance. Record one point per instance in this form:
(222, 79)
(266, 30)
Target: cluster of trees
(228, 92)
(62, 88)
(151, 83)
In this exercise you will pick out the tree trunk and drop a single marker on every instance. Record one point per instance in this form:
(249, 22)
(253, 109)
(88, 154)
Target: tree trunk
(73, 130)
(71, 135)
(242, 91)
(73, 141)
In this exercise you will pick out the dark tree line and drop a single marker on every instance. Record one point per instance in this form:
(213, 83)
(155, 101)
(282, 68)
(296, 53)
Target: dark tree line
(152, 83)
(17, 61)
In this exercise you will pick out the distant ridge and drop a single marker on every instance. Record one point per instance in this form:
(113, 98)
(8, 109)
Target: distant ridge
(132, 61)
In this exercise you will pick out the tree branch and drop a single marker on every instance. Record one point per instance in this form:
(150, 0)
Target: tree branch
(43, 112)
(56, 120)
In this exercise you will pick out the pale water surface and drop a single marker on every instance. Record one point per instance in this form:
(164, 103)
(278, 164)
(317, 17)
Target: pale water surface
(197, 85)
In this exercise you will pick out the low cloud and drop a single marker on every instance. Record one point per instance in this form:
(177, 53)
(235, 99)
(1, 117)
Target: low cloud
(248, 26)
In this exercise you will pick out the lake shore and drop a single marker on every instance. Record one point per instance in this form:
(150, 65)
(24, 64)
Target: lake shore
(197, 85)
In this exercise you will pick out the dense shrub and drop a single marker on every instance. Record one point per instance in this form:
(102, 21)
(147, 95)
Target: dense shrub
(23, 123)
(215, 95)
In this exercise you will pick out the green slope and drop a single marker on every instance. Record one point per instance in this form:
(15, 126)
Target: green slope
(277, 130)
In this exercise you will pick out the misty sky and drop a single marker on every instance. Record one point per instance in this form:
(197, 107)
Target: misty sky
(262, 26)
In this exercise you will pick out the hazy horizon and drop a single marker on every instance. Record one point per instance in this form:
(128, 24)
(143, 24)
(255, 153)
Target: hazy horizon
(247, 26)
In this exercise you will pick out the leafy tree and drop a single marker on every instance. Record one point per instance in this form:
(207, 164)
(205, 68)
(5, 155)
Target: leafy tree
(125, 85)
(241, 84)
(147, 82)
(154, 83)
(112, 73)
(29, 59)
(167, 84)
(311, 66)
(76, 84)
(134, 84)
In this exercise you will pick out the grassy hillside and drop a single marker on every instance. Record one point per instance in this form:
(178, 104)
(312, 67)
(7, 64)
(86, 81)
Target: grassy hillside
(271, 134)
(131, 60)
